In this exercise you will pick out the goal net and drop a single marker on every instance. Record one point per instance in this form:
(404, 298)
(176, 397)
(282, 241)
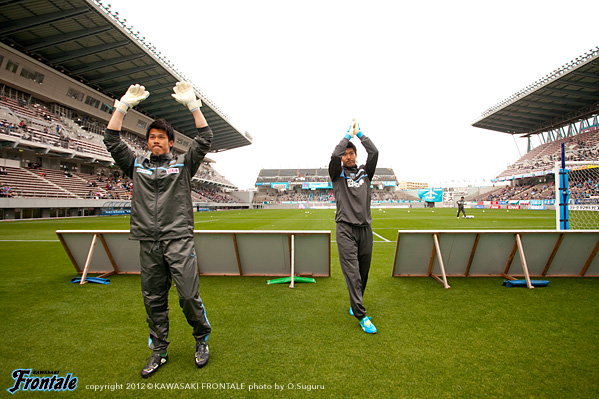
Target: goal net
(580, 184)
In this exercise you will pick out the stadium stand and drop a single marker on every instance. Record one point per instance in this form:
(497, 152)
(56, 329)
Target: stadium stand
(204, 194)
(19, 182)
(581, 147)
(37, 182)
(532, 174)
(314, 185)
(54, 108)
(560, 108)
(36, 133)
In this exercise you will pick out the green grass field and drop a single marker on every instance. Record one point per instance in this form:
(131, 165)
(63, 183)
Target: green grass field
(478, 339)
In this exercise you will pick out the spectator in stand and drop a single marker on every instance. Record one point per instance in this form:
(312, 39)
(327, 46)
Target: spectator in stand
(7, 192)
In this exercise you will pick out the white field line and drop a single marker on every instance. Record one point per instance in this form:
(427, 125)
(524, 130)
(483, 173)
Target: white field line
(380, 236)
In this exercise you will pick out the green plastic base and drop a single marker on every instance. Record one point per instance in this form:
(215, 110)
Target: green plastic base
(296, 279)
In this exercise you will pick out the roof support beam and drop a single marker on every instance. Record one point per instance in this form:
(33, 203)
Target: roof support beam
(576, 93)
(585, 74)
(106, 63)
(162, 86)
(88, 51)
(33, 45)
(118, 74)
(524, 116)
(559, 99)
(584, 85)
(9, 2)
(26, 23)
(125, 85)
(542, 113)
(551, 106)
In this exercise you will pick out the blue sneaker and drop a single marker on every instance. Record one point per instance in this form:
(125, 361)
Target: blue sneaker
(351, 312)
(367, 325)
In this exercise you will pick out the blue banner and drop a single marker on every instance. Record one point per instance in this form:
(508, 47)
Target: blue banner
(431, 194)
(126, 211)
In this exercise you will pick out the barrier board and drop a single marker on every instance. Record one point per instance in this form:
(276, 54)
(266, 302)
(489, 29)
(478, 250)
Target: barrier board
(219, 252)
(470, 253)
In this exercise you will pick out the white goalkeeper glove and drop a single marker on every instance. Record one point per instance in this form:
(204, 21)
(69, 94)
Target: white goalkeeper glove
(132, 97)
(353, 129)
(357, 131)
(184, 94)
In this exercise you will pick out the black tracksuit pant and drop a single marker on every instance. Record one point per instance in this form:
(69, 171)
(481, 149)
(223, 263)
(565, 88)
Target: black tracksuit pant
(163, 262)
(354, 244)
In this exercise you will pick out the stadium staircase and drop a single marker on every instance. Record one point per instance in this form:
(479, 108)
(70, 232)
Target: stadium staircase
(43, 131)
(49, 183)
(27, 184)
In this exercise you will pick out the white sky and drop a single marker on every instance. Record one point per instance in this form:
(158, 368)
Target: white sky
(415, 75)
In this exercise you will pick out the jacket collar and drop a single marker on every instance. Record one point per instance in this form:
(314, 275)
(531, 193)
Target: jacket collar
(160, 158)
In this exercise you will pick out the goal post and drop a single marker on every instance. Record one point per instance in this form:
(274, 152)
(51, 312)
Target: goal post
(577, 195)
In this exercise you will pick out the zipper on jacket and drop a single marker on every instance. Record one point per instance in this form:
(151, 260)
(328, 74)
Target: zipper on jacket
(156, 204)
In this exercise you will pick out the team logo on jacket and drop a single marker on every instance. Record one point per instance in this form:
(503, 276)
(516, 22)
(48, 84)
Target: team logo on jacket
(355, 184)
(144, 171)
(172, 170)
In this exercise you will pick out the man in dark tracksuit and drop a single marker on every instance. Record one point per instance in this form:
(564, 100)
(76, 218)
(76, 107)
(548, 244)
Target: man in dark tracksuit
(461, 203)
(162, 219)
(351, 186)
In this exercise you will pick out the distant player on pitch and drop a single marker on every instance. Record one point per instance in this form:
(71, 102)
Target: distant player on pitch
(162, 219)
(461, 203)
(351, 186)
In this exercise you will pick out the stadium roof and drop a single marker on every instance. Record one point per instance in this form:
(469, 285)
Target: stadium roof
(86, 41)
(567, 95)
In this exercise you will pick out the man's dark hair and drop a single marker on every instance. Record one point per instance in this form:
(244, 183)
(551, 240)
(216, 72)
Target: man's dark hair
(161, 124)
(352, 146)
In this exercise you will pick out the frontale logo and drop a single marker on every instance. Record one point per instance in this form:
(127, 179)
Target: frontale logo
(23, 382)
(351, 183)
